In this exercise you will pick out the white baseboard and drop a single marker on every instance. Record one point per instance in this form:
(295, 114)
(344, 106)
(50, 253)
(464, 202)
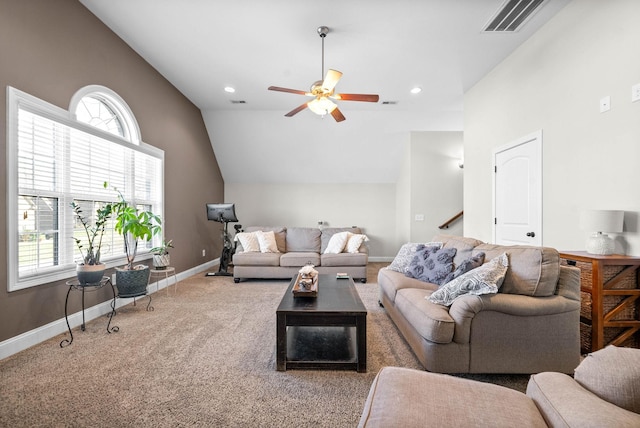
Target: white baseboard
(381, 259)
(33, 337)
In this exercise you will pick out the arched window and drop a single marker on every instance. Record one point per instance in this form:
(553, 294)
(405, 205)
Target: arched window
(62, 156)
(104, 109)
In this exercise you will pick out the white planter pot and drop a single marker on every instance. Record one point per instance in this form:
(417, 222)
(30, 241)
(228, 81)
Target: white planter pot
(161, 261)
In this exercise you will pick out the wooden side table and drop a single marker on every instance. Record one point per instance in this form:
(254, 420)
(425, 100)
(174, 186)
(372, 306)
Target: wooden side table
(167, 272)
(617, 288)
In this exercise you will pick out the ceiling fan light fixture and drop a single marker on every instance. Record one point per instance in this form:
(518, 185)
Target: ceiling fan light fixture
(321, 106)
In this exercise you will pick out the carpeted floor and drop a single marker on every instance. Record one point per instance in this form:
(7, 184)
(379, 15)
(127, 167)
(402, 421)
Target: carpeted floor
(204, 357)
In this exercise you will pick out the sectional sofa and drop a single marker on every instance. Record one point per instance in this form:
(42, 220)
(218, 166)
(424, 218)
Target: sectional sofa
(298, 246)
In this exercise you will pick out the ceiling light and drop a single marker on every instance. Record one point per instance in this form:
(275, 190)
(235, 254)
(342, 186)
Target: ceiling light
(321, 106)
(229, 89)
(416, 90)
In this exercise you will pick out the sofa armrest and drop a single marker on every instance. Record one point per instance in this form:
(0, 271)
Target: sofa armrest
(569, 283)
(465, 308)
(563, 402)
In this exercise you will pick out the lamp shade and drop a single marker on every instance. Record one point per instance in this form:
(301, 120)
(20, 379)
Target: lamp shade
(602, 221)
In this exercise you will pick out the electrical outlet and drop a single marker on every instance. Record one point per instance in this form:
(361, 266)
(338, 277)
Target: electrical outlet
(605, 104)
(204, 253)
(635, 93)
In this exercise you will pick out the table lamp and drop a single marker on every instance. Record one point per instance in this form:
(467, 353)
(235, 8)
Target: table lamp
(597, 222)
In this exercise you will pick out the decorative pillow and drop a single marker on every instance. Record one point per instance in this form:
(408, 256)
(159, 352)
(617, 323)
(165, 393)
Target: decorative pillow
(249, 242)
(613, 374)
(267, 241)
(337, 242)
(485, 279)
(354, 242)
(431, 264)
(405, 255)
(465, 266)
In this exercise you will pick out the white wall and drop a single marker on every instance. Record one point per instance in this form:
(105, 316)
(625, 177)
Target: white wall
(368, 206)
(436, 183)
(554, 82)
(430, 183)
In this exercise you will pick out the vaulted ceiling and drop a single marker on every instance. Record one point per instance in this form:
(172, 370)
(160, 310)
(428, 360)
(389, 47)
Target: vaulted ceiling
(382, 47)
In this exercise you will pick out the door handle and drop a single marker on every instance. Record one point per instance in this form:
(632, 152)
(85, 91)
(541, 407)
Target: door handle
(531, 234)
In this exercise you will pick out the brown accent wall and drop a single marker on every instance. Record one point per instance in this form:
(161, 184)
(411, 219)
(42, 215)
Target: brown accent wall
(52, 48)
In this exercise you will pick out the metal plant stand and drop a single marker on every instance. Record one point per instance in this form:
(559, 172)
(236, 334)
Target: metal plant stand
(74, 284)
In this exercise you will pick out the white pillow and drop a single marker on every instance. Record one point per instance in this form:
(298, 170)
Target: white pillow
(267, 241)
(405, 255)
(354, 242)
(249, 242)
(485, 279)
(337, 242)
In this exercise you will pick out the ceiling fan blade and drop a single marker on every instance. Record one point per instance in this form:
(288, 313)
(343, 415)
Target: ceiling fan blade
(337, 115)
(371, 98)
(293, 91)
(331, 80)
(296, 110)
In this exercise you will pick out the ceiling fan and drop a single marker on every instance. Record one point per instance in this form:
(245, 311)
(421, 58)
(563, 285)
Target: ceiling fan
(323, 90)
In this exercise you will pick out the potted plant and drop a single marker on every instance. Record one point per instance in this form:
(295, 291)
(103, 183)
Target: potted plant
(161, 255)
(90, 270)
(134, 225)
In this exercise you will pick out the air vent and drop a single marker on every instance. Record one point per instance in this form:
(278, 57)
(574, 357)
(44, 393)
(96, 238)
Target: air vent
(238, 102)
(512, 15)
(391, 103)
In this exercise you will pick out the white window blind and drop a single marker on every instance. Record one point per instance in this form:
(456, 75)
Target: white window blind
(53, 160)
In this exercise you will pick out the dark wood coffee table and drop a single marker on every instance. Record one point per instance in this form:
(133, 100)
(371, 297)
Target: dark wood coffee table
(324, 332)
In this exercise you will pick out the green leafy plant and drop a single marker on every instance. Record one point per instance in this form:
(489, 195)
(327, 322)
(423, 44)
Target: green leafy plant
(91, 254)
(134, 224)
(163, 248)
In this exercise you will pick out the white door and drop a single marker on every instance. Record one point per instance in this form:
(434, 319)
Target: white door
(518, 192)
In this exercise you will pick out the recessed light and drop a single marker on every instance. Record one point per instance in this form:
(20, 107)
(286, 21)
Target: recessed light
(229, 89)
(416, 90)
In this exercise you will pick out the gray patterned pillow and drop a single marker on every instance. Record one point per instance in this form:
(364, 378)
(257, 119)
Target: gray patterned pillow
(405, 255)
(465, 266)
(431, 264)
(486, 279)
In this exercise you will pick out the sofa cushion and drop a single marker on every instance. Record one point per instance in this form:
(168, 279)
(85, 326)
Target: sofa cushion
(613, 374)
(280, 233)
(533, 271)
(408, 398)
(328, 232)
(391, 281)
(303, 239)
(431, 264)
(344, 259)
(256, 259)
(486, 279)
(336, 243)
(464, 267)
(248, 242)
(405, 255)
(464, 246)
(299, 259)
(430, 321)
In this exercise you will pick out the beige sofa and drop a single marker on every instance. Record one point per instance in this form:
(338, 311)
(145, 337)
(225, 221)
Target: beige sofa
(604, 392)
(298, 246)
(531, 325)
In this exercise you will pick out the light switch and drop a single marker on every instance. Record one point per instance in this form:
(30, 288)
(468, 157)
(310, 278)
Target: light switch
(419, 217)
(635, 93)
